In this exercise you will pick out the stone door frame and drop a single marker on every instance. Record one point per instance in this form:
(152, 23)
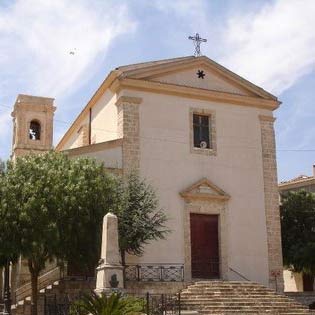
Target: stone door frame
(214, 202)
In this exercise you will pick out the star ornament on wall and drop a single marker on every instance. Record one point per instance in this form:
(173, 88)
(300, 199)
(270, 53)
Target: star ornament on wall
(201, 74)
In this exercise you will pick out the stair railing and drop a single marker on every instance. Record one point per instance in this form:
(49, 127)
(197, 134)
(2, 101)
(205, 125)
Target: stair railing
(239, 274)
(44, 280)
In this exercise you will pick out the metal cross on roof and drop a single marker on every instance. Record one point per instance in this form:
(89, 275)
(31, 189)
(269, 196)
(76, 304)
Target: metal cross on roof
(197, 41)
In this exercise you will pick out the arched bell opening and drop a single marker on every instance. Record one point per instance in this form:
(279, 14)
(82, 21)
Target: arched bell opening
(35, 128)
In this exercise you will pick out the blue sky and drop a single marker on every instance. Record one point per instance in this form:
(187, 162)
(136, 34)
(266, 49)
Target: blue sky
(271, 43)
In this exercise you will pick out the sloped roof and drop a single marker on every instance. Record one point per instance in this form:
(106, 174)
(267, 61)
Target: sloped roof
(299, 182)
(142, 65)
(137, 76)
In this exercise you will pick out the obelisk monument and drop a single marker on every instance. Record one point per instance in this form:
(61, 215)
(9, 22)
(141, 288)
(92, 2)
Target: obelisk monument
(110, 270)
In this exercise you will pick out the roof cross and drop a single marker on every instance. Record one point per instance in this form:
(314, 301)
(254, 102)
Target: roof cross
(197, 41)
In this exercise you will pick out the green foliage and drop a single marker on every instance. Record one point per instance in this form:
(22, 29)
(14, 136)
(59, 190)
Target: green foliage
(139, 218)
(88, 196)
(2, 167)
(115, 304)
(59, 204)
(9, 233)
(298, 231)
(52, 207)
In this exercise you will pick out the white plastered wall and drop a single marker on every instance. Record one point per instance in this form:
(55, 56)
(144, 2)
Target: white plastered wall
(104, 118)
(75, 139)
(103, 124)
(166, 161)
(111, 157)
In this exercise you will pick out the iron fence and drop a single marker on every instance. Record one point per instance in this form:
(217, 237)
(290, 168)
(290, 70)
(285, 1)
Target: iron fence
(2, 309)
(155, 272)
(59, 304)
(153, 304)
(163, 304)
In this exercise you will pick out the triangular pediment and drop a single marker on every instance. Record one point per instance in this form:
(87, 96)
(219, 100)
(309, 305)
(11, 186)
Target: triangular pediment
(202, 77)
(186, 72)
(204, 189)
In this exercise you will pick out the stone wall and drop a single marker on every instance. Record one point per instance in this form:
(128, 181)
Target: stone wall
(140, 288)
(84, 135)
(271, 202)
(128, 129)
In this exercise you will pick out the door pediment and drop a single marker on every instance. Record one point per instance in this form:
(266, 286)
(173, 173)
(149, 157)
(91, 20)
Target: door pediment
(204, 189)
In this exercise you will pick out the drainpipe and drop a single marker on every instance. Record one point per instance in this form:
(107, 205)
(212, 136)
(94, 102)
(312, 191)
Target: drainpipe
(90, 125)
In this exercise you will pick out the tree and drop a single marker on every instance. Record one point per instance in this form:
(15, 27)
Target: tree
(9, 240)
(88, 197)
(298, 231)
(58, 205)
(139, 218)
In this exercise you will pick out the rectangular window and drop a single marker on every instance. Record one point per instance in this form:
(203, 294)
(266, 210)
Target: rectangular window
(201, 129)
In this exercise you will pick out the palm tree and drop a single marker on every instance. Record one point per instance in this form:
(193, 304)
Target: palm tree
(115, 304)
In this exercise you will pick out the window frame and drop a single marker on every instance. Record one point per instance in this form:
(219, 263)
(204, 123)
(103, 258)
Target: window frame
(212, 150)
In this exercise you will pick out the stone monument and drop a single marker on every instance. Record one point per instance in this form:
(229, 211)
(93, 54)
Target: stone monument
(110, 271)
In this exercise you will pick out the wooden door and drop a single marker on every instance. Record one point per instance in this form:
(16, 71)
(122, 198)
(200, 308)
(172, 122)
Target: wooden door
(204, 246)
(308, 281)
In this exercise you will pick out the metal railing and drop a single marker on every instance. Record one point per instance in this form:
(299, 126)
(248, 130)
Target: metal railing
(58, 304)
(47, 278)
(153, 304)
(155, 272)
(239, 274)
(163, 304)
(2, 312)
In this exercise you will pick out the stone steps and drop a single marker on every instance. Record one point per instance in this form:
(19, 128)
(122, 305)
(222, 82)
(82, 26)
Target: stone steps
(54, 289)
(236, 297)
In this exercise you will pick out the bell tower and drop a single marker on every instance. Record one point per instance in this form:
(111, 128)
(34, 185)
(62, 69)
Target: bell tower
(32, 125)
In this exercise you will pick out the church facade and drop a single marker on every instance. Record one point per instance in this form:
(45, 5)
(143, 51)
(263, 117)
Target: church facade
(203, 137)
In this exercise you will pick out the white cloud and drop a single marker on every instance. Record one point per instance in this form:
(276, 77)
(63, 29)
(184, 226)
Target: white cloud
(37, 37)
(193, 11)
(181, 7)
(273, 47)
(5, 137)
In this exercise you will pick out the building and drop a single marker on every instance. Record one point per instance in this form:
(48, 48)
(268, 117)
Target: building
(204, 138)
(302, 182)
(297, 282)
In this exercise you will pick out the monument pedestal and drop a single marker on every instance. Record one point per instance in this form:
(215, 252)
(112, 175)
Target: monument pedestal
(109, 278)
(110, 271)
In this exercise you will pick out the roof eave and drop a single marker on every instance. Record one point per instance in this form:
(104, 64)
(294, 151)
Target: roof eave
(105, 84)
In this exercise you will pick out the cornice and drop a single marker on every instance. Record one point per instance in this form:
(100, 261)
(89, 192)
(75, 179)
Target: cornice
(94, 147)
(37, 108)
(155, 70)
(203, 196)
(196, 93)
